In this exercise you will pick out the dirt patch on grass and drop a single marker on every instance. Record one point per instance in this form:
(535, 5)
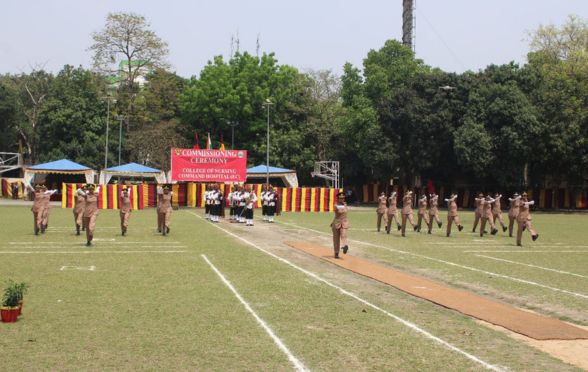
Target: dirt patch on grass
(570, 351)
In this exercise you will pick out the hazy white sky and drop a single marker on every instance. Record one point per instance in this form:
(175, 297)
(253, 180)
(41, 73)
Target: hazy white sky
(455, 35)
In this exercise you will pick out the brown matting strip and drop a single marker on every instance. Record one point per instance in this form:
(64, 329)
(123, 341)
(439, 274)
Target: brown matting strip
(526, 323)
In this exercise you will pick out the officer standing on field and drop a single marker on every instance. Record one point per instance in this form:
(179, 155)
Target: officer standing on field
(452, 216)
(434, 211)
(125, 210)
(339, 226)
(407, 211)
(513, 211)
(78, 210)
(381, 211)
(393, 211)
(91, 212)
(165, 210)
(423, 215)
(524, 220)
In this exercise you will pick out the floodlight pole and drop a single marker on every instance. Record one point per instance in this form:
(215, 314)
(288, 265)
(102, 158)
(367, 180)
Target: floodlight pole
(233, 124)
(267, 104)
(121, 118)
(107, 124)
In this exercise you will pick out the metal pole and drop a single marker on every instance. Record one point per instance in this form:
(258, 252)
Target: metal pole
(107, 120)
(232, 137)
(268, 144)
(121, 118)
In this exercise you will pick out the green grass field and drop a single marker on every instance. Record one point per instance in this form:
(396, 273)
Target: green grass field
(148, 302)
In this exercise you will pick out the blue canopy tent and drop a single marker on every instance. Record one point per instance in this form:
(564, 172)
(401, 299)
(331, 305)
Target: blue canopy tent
(260, 172)
(132, 170)
(39, 172)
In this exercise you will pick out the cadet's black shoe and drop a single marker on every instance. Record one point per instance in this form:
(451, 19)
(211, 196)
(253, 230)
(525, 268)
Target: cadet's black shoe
(429, 231)
(460, 227)
(494, 231)
(399, 227)
(535, 237)
(336, 255)
(345, 249)
(519, 245)
(167, 228)
(448, 234)
(77, 229)
(36, 230)
(440, 224)
(88, 243)
(415, 227)
(504, 228)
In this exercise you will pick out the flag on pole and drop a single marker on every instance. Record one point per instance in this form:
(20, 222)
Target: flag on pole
(222, 144)
(196, 145)
(208, 143)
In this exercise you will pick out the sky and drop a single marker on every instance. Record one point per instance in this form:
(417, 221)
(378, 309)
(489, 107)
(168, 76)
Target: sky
(454, 35)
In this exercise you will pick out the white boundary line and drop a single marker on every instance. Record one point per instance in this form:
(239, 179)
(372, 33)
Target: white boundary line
(408, 324)
(297, 363)
(524, 251)
(458, 265)
(77, 243)
(529, 265)
(101, 246)
(90, 252)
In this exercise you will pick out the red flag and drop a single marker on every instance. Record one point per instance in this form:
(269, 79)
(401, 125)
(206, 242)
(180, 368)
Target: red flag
(196, 145)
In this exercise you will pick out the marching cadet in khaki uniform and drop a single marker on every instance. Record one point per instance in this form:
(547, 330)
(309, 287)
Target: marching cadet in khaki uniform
(381, 211)
(125, 210)
(524, 219)
(37, 207)
(165, 210)
(78, 210)
(513, 211)
(497, 211)
(434, 211)
(487, 216)
(407, 212)
(91, 212)
(393, 211)
(479, 210)
(339, 226)
(46, 207)
(422, 213)
(158, 209)
(452, 216)
(208, 202)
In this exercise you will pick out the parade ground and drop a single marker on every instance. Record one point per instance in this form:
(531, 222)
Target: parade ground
(226, 296)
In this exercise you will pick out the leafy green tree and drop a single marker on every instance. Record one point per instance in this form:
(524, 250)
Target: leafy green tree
(73, 119)
(8, 114)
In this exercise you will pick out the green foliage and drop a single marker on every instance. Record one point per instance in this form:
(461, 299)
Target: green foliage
(13, 293)
(73, 120)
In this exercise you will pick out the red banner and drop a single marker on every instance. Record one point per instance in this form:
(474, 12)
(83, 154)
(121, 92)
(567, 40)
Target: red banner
(208, 165)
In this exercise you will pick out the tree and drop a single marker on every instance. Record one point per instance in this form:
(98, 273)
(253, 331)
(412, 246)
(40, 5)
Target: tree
(8, 114)
(73, 118)
(152, 145)
(33, 90)
(127, 39)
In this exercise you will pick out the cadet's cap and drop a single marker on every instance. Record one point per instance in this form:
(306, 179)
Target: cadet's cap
(341, 194)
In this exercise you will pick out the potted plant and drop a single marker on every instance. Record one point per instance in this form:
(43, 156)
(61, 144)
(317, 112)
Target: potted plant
(13, 293)
(21, 289)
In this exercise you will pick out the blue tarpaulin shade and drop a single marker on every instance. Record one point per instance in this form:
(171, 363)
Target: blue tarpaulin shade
(63, 166)
(132, 170)
(59, 166)
(288, 176)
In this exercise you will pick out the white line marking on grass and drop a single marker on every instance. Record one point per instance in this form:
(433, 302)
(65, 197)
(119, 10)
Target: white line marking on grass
(521, 251)
(463, 266)
(297, 364)
(76, 243)
(529, 265)
(81, 268)
(89, 252)
(408, 324)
